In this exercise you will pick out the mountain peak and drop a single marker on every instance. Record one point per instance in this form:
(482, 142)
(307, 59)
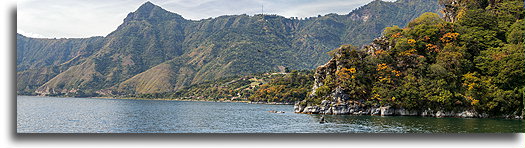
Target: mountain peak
(146, 7)
(150, 11)
(148, 3)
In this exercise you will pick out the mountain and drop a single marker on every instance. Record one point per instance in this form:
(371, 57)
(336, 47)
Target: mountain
(39, 60)
(468, 63)
(155, 50)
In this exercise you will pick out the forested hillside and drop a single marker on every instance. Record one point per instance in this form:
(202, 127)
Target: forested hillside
(155, 51)
(470, 61)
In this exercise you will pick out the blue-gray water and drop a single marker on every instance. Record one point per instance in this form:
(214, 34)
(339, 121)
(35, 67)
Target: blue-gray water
(88, 115)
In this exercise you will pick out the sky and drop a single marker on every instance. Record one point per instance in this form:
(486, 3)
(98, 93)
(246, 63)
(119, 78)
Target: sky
(87, 18)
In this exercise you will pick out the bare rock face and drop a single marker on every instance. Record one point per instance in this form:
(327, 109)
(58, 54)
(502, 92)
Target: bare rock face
(387, 111)
(375, 111)
(298, 108)
(340, 109)
(332, 108)
(440, 114)
(321, 72)
(380, 43)
(339, 95)
(468, 114)
(311, 110)
(450, 10)
(404, 112)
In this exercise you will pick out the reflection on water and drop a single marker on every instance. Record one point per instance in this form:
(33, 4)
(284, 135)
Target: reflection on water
(85, 115)
(409, 124)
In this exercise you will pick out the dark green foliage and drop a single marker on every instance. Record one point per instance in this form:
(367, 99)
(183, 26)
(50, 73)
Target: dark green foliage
(190, 52)
(284, 88)
(475, 63)
(354, 79)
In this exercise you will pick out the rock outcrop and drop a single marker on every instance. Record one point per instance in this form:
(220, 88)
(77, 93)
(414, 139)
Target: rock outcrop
(321, 72)
(339, 103)
(333, 108)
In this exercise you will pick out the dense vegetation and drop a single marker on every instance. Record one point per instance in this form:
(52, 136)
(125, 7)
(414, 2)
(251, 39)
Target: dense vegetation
(473, 60)
(288, 88)
(267, 87)
(155, 50)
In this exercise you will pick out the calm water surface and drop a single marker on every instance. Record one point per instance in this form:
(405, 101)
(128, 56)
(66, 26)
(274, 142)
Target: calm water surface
(88, 115)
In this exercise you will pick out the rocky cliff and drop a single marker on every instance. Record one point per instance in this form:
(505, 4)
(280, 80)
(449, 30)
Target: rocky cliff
(441, 66)
(337, 100)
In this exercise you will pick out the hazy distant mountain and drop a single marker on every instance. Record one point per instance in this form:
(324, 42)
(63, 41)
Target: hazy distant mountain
(155, 50)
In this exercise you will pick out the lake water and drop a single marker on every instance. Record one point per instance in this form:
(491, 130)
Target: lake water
(89, 115)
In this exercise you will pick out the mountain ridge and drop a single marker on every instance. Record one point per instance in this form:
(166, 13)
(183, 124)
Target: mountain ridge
(196, 51)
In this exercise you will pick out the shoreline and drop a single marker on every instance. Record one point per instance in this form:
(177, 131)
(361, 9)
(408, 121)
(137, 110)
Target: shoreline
(458, 117)
(195, 100)
(277, 103)
(169, 99)
(347, 109)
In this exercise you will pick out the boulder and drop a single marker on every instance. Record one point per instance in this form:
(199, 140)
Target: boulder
(387, 111)
(325, 110)
(440, 114)
(483, 115)
(375, 111)
(351, 111)
(311, 109)
(427, 112)
(325, 103)
(353, 106)
(404, 112)
(467, 114)
(340, 109)
(298, 108)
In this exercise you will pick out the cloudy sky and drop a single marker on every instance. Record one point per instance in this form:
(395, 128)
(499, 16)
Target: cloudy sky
(86, 18)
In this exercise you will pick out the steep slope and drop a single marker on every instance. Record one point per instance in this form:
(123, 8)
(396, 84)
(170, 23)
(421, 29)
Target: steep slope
(469, 64)
(155, 79)
(195, 51)
(240, 45)
(148, 37)
(39, 60)
(377, 15)
(33, 53)
(168, 76)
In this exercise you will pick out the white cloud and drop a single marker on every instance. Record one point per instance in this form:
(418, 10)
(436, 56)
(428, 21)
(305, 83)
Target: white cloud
(81, 18)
